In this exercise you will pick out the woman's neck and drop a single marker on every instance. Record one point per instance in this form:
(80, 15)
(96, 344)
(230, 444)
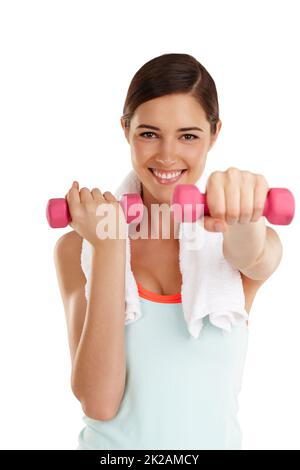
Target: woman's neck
(159, 223)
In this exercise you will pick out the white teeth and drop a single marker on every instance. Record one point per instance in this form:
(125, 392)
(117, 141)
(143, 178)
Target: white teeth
(167, 175)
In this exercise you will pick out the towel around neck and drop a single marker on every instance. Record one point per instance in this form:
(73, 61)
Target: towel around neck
(210, 285)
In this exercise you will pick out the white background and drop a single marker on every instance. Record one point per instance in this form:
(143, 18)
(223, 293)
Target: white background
(65, 70)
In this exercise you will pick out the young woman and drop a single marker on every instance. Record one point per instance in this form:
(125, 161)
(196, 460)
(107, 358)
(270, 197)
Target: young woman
(146, 385)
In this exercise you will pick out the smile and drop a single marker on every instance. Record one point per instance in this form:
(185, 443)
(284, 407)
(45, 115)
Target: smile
(169, 177)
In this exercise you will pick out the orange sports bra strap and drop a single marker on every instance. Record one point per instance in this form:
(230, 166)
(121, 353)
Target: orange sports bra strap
(168, 299)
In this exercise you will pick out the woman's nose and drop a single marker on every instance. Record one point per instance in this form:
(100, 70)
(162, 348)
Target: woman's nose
(166, 161)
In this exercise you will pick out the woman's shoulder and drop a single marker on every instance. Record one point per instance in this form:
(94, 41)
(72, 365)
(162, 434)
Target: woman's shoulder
(68, 246)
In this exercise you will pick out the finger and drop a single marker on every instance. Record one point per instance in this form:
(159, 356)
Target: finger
(232, 199)
(214, 225)
(97, 195)
(75, 184)
(85, 195)
(72, 195)
(215, 199)
(246, 203)
(259, 200)
(109, 196)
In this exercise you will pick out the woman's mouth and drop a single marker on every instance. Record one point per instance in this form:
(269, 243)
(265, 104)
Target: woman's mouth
(169, 177)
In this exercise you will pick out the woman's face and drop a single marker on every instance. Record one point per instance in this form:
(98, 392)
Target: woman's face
(168, 148)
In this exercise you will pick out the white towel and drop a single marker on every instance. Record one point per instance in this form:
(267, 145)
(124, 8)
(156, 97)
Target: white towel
(210, 285)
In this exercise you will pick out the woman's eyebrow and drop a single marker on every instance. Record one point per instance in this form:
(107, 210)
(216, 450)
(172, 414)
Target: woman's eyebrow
(178, 130)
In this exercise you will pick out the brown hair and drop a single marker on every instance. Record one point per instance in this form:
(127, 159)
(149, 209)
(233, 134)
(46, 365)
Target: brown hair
(173, 73)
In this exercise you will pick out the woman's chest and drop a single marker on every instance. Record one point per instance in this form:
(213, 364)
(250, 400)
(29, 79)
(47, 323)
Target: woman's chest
(155, 266)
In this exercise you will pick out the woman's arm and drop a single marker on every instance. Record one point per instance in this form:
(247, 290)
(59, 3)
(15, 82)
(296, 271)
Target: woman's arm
(255, 249)
(99, 368)
(98, 353)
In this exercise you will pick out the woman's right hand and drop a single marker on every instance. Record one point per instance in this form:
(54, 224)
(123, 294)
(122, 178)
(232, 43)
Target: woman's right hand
(83, 206)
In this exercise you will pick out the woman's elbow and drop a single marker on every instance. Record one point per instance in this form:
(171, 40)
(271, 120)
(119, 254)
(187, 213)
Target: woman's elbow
(93, 411)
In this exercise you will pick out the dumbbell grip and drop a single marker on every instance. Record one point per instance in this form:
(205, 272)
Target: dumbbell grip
(58, 214)
(279, 206)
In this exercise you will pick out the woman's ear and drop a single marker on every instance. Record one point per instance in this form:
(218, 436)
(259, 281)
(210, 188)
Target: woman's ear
(125, 129)
(215, 136)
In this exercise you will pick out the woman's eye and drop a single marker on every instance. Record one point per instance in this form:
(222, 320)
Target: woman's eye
(143, 133)
(190, 135)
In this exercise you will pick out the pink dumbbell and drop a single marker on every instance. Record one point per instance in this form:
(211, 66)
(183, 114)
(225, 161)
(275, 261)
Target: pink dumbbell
(187, 199)
(58, 214)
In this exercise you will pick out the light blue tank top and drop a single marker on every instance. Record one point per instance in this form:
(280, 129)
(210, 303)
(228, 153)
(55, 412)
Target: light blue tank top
(179, 393)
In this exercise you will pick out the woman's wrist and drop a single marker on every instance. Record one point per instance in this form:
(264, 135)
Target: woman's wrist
(109, 245)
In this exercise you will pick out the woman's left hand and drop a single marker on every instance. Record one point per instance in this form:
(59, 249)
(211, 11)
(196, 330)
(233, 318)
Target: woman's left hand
(234, 196)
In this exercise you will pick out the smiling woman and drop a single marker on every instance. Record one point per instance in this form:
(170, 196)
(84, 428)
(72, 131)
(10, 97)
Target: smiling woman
(163, 390)
(173, 99)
